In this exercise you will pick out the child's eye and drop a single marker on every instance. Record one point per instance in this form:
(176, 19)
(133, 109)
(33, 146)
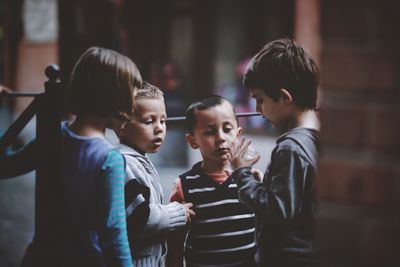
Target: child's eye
(228, 129)
(148, 121)
(209, 132)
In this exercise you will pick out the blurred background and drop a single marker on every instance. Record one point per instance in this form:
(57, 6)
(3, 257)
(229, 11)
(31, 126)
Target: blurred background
(192, 48)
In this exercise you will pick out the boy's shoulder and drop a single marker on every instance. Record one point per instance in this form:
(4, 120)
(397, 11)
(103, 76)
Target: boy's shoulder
(127, 150)
(193, 172)
(136, 163)
(301, 141)
(132, 155)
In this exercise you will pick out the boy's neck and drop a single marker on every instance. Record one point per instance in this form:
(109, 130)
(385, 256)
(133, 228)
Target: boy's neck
(88, 125)
(305, 119)
(126, 143)
(212, 167)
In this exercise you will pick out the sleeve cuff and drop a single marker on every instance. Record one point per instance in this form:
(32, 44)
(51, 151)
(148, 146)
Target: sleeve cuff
(177, 215)
(241, 173)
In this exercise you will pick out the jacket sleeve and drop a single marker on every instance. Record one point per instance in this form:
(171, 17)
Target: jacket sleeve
(160, 217)
(280, 195)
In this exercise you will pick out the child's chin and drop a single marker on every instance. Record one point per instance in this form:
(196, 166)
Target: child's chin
(224, 157)
(153, 151)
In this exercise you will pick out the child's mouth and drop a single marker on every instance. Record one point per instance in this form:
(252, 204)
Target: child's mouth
(223, 150)
(157, 141)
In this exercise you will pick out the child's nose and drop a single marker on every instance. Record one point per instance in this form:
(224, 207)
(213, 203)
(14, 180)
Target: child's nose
(159, 128)
(221, 136)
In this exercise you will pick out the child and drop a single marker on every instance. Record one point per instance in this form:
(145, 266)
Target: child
(148, 219)
(101, 92)
(222, 233)
(284, 80)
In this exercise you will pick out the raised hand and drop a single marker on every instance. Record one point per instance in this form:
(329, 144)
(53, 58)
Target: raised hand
(240, 155)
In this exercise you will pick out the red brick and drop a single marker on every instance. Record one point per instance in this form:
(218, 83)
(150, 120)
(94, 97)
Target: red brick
(344, 126)
(344, 69)
(356, 183)
(346, 26)
(384, 133)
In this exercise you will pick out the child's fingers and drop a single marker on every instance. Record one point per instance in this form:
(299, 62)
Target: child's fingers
(257, 174)
(188, 205)
(237, 148)
(192, 213)
(228, 172)
(245, 146)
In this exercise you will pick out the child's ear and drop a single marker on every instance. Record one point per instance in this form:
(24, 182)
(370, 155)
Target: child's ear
(239, 131)
(286, 96)
(120, 132)
(192, 141)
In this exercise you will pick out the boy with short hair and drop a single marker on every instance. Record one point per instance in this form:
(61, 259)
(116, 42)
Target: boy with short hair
(148, 220)
(284, 80)
(222, 232)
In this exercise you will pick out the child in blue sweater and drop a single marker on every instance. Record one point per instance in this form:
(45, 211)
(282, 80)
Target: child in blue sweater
(101, 94)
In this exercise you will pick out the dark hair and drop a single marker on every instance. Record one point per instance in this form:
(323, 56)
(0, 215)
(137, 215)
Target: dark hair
(284, 64)
(103, 83)
(202, 104)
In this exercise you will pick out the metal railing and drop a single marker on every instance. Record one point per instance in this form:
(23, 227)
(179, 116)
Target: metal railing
(45, 157)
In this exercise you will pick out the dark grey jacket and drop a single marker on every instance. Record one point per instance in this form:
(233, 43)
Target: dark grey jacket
(284, 202)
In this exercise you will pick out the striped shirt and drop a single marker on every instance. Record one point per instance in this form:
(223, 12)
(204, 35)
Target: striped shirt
(222, 232)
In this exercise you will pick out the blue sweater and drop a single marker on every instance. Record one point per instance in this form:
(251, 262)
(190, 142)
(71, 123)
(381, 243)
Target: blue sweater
(94, 174)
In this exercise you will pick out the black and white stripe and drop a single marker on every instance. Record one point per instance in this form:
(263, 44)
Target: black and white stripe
(222, 232)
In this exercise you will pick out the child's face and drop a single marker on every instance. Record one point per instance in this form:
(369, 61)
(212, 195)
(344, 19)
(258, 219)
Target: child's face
(215, 132)
(146, 130)
(276, 112)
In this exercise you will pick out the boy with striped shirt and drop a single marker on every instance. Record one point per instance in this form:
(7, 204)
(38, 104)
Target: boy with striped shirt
(222, 232)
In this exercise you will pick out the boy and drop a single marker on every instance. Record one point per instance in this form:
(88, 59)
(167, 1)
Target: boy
(284, 80)
(148, 219)
(222, 233)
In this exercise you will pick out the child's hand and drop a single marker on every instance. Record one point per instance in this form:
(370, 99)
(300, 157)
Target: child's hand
(4, 90)
(238, 156)
(257, 174)
(189, 212)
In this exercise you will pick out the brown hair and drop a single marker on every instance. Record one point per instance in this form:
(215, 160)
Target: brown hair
(284, 64)
(148, 90)
(103, 83)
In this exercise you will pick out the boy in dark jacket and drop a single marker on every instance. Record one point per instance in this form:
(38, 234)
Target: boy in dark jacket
(283, 79)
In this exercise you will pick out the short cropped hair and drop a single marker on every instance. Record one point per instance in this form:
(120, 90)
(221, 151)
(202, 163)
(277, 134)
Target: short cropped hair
(203, 104)
(284, 64)
(147, 90)
(103, 83)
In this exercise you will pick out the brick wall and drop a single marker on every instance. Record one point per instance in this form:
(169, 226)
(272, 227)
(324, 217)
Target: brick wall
(359, 179)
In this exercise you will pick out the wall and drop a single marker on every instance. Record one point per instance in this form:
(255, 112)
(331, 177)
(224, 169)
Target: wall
(359, 181)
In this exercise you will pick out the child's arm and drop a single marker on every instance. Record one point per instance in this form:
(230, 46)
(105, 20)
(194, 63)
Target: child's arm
(112, 219)
(176, 239)
(20, 162)
(161, 217)
(281, 198)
